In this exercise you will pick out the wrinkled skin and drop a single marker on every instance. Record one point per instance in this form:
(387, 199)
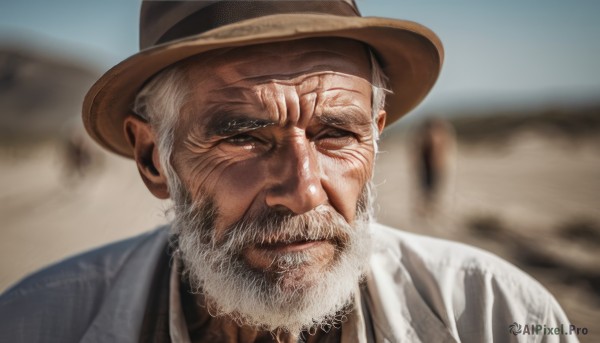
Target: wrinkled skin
(286, 126)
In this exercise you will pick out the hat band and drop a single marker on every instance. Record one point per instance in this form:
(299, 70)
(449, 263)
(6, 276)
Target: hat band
(228, 12)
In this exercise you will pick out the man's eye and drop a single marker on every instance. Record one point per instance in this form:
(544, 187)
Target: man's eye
(338, 134)
(336, 139)
(246, 141)
(241, 139)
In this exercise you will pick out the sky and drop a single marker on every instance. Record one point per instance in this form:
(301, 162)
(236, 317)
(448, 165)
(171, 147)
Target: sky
(498, 52)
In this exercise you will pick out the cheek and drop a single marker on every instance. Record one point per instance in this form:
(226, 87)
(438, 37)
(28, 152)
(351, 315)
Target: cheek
(345, 178)
(233, 184)
(236, 190)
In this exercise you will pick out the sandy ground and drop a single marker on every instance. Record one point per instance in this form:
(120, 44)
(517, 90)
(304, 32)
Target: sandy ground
(525, 201)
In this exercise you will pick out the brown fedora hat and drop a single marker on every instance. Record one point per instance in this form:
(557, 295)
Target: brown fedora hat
(410, 54)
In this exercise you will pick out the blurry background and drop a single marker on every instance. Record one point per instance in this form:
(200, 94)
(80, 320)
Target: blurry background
(504, 154)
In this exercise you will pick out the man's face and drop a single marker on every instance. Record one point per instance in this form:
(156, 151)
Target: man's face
(275, 149)
(281, 126)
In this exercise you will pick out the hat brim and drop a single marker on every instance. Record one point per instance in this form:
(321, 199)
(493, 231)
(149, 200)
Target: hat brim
(410, 54)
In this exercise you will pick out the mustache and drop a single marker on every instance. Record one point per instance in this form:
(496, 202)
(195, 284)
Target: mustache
(268, 226)
(271, 227)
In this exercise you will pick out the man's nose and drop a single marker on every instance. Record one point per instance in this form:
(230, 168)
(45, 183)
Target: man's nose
(296, 174)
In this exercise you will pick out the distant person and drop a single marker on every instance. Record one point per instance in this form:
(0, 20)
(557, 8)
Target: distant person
(78, 155)
(433, 149)
(260, 121)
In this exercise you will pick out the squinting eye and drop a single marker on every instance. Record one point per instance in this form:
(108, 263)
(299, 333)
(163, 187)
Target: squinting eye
(338, 134)
(246, 141)
(241, 139)
(336, 139)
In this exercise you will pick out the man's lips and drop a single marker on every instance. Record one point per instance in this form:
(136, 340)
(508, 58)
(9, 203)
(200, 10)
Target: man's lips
(286, 247)
(262, 256)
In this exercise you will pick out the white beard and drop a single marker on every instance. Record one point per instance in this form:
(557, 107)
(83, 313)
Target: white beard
(285, 297)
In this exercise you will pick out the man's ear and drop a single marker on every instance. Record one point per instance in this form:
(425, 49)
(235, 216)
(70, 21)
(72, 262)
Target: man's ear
(381, 120)
(142, 140)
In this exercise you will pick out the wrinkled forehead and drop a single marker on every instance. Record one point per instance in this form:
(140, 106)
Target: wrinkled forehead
(279, 61)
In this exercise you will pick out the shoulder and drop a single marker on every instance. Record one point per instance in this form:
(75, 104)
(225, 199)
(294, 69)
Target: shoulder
(64, 297)
(100, 263)
(435, 253)
(473, 292)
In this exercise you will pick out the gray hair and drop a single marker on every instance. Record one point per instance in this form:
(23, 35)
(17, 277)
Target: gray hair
(378, 92)
(160, 101)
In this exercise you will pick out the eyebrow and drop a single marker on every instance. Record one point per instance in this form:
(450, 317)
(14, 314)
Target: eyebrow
(345, 117)
(229, 125)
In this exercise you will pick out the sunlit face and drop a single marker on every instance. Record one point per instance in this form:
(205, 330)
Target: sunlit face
(283, 127)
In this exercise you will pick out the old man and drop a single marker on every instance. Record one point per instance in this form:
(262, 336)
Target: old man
(260, 120)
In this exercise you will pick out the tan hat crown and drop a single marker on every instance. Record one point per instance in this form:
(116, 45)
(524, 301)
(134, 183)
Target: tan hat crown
(165, 21)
